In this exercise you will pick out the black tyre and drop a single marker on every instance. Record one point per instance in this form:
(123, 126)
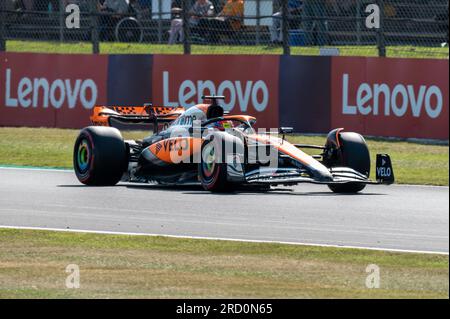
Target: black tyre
(212, 169)
(100, 156)
(354, 153)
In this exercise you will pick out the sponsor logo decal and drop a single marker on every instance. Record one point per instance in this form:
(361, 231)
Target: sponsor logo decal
(384, 171)
(39, 91)
(178, 144)
(399, 100)
(240, 94)
(187, 120)
(158, 147)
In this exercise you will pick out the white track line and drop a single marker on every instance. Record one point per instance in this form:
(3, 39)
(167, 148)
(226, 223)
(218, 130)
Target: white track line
(222, 239)
(206, 238)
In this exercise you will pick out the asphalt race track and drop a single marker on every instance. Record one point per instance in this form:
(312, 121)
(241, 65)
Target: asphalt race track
(387, 217)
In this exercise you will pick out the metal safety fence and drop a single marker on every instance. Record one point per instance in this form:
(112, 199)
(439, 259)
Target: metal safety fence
(413, 28)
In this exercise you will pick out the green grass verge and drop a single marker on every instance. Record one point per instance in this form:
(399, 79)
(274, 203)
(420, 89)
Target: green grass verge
(145, 48)
(413, 163)
(42, 147)
(33, 263)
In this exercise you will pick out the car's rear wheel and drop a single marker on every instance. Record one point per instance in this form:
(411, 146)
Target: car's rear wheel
(100, 156)
(212, 169)
(352, 151)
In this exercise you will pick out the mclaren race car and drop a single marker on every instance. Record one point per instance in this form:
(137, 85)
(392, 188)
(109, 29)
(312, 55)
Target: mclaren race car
(203, 144)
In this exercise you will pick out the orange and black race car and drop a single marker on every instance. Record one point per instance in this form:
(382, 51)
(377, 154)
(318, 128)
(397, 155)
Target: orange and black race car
(205, 145)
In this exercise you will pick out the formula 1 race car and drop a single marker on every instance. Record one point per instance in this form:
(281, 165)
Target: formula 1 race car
(205, 145)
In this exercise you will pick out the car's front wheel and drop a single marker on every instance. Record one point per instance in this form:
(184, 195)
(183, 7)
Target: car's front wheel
(352, 152)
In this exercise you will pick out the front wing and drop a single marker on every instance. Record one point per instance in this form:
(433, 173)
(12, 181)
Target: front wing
(340, 175)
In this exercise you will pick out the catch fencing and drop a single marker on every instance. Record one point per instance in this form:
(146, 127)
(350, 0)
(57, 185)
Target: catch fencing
(393, 28)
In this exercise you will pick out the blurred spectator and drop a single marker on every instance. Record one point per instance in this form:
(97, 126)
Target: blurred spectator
(139, 8)
(228, 21)
(200, 9)
(218, 4)
(314, 14)
(276, 29)
(176, 26)
(116, 6)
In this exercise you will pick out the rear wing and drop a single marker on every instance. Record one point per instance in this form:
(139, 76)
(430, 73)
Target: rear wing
(135, 117)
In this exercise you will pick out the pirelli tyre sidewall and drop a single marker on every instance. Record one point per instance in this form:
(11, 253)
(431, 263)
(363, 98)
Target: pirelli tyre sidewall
(354, 153)
(100, 156)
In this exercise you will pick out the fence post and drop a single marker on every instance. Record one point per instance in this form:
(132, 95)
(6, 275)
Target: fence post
(2, 27)
(258, 21)
(94, 28)
(381, 42)
(160, 16)
(285, 27)
(186, 28)
(358, 22)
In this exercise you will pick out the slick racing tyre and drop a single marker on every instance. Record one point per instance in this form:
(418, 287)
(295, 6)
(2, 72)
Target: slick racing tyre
(100, 156)
(212, 169)
(354, 153)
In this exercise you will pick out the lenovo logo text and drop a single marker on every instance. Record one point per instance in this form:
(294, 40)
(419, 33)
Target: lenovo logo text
(42, 92)
(239, 94)
(399, 100)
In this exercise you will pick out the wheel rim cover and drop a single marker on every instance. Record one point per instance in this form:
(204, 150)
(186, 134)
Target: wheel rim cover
(83, 156)
(209, 164)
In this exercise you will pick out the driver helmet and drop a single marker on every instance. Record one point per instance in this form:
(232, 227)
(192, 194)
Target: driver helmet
(222, 125)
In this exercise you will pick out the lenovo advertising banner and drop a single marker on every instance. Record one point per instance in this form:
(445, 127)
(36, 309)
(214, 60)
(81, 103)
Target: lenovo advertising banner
(51, 90)
(391, 97)
(373, 96)
(249, 83)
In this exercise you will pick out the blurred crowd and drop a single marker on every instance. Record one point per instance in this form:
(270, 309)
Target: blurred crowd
(208, 20)
(211, 21)
(120, 6)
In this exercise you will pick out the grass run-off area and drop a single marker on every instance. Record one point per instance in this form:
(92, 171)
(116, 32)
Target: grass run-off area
(413, 163)
(33, 264)
(145, 48)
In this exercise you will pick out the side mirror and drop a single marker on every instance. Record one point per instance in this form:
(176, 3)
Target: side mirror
(286, 130)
